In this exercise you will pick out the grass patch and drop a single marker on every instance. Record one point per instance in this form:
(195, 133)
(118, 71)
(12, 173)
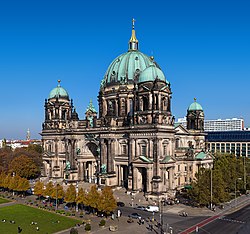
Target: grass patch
(24, 215)
(3, 201)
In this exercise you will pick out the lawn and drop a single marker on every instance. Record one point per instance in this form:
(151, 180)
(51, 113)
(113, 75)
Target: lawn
(3, 201)
(23, 216)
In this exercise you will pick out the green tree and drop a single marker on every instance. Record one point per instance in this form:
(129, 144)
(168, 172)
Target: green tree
(70, 195)
(39, 189)
(107, 201)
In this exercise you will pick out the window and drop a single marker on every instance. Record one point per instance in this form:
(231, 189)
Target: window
(164, 150)
(124, 149)
(143, 150)
(179, 167)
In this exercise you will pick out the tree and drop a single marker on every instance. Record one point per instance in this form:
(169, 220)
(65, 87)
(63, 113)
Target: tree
(39, 189)
(6, 181)
(107, 201)
(93, 198)
(49, 190)
(70, 195)
(24, 167)
(23, 185)
(2, 178)
(58, 192)
(13, 182)
(35, 147)
(81, 197)
(6, 155)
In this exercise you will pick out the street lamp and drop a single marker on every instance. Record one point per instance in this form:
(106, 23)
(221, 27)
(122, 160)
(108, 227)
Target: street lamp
(56, 195)
(211, 188)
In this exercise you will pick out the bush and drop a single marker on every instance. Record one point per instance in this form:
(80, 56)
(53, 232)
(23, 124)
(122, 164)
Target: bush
(73, 231)
(87, 227)
(102, 223)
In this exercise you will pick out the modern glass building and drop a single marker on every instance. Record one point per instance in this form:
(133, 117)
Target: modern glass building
(235, 142)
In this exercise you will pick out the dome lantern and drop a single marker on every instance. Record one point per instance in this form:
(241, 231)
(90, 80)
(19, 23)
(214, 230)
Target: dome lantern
(133, 42)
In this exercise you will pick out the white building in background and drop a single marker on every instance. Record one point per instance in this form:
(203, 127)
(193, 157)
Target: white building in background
(233, 124)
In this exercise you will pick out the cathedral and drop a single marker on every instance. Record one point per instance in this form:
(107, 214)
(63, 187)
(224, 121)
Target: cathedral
(132, 141)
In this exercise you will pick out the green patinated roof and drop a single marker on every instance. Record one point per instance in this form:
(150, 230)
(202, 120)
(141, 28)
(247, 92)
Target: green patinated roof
(126, 66)
(195, 106)
(91, 107)
(145, 159)
(58, 92)
(151, 73)
(176, 124)
(201, 155)
(166, 159)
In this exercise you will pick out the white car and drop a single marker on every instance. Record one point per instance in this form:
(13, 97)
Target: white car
(152, 209)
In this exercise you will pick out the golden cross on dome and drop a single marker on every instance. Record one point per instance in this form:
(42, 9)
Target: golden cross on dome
(195, 99)
(133, 23)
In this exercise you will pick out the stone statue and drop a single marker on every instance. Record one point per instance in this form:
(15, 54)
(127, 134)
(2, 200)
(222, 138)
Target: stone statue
(103, 168)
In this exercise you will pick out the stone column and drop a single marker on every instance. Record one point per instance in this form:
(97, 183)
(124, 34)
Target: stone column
(103, 153)
(150, 102)
(128, 106)
(135, 171)
(159, 102)
(116, 108)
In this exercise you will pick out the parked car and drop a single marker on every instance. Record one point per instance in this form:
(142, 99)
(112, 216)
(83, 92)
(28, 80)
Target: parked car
(134, 216)
(120, 204)
(152, 208)
(140, 208)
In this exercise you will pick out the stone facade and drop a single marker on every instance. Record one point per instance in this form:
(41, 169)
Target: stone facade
(133, 142)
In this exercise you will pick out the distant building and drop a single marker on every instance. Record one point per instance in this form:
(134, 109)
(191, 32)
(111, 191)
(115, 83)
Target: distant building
(234, 142)
(233, 124)
(13, 144)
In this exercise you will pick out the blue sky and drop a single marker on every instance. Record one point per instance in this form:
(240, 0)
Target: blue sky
(203, 47)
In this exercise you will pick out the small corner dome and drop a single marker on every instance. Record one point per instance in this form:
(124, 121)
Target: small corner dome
(58, 92)
(151, 73)
(195, 106)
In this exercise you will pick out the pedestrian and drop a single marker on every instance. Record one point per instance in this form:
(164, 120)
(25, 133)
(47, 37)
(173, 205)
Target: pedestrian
(19, 229)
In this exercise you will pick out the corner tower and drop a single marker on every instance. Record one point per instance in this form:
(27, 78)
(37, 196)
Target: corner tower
(195, 117)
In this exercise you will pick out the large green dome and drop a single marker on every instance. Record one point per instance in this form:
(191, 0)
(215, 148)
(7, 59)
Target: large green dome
(195, 106)
(126, 67)
(58, 92)
(151, 73)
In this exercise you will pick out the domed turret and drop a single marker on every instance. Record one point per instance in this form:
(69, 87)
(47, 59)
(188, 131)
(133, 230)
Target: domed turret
(195, 106)
(195, 117)
(58, 92)
(151, 73)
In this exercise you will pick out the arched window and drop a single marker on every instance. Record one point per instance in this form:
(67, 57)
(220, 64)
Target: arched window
(177, 143)
(145, 103)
